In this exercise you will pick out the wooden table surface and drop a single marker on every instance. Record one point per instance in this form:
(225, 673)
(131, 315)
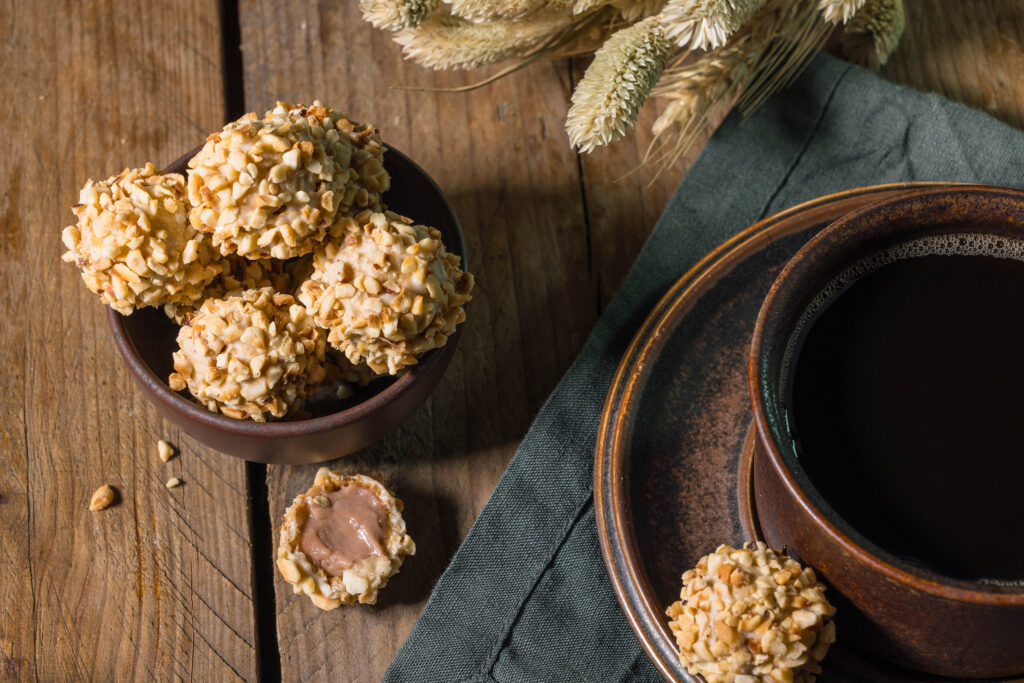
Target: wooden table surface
(173, 584)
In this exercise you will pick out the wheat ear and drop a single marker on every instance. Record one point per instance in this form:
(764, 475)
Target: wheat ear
(705, 24)
(449, 42)
(496, 10)
(765, 54)
(607, 99)
(873, 33)
(394, 15)
(839, 11)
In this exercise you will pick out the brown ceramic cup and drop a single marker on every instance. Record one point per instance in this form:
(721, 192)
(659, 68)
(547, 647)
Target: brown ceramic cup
(146, 339)
(905, 614)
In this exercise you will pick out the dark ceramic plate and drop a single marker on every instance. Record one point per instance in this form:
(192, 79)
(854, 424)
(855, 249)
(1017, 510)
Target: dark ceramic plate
(146, 340)
(671, 479)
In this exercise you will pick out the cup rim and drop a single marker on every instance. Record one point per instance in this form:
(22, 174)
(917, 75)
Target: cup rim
(924, 580)
(291, 428)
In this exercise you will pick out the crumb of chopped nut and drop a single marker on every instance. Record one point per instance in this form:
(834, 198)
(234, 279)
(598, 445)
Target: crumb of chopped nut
(165, 450)
(272, 187)
(387, 291)
(133, 242)
(333, 571)
(752, 615)
(355, 146)
(250, 355)
(101, 498)
(173, 483)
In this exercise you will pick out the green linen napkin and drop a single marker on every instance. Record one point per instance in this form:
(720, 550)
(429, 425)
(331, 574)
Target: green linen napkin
(526, 597)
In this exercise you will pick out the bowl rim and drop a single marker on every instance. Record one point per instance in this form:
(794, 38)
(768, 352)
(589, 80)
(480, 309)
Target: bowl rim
(925, 581)
(290, 428)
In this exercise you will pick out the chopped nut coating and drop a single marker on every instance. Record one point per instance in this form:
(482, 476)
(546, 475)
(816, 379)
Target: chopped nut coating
(272, 187)
(362, 581)
(173, 483)
(133, 242)
(250, 355)
(751, 615)
(386, 290)
(101, 498)
(239, 273)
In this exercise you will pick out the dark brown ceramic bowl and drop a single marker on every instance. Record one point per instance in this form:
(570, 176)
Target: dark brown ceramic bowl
(146, 340)
(903, 613)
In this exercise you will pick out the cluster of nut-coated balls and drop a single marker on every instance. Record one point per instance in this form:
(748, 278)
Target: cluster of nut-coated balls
(751, 615)
(278, 259)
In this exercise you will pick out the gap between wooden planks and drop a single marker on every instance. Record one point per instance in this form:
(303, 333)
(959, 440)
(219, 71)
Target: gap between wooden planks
(162, 585)
(550, 236)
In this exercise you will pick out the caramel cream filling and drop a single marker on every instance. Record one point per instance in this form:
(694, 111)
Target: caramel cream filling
(344, 527)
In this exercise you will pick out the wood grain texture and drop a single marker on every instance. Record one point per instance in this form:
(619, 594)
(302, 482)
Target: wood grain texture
(971, 52)
(160, 586)
(501, 157)
(550, 234)
(157, 586)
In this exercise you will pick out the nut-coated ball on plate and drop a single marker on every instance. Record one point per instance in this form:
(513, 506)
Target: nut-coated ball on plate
(133, 242)
(386, 290)
(251, 355)
(752, 615)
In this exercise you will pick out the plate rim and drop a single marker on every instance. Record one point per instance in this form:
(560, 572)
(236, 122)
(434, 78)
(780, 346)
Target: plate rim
(619, 549)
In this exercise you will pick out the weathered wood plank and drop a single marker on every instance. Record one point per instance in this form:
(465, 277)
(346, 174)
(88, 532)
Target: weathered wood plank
(969, 52)
(544, 266)
(158, 586)
(501, 157)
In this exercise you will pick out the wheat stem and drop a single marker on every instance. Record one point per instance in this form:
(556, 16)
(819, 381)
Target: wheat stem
(767, 52)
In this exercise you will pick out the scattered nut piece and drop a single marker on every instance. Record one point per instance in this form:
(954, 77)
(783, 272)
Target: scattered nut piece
(333, 572)
(165, 450)
(387, 291)
(173, 483)
(102, 498)
(752, 615)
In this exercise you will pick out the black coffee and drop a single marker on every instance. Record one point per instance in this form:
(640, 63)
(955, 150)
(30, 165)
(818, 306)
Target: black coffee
(907, 405)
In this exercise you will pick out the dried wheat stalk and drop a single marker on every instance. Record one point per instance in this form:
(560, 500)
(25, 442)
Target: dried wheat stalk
(394, 15)
(839, 11)
(873, 33)
(760, 58)
(606, 102)
(704, 24)
(496, 10)
(451, 42)
(696, 55)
